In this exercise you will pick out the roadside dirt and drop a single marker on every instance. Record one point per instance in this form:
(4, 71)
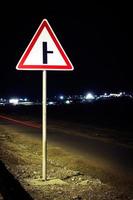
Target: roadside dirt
(69, 177)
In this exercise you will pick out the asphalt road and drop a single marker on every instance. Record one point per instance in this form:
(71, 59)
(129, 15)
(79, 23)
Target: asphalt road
(110, 156)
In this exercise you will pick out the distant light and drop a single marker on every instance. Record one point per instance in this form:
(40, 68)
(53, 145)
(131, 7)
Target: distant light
(67, 101)
(105, 94)
(2, 104)
(51, 103)
(14, 101)
(25, 99)
(89, 96)
(115, 95)
(61, 97)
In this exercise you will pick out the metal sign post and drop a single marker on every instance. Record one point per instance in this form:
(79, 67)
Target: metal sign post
(44, 52)
(44, 125)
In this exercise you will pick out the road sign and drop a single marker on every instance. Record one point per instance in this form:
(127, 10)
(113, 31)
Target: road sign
(44, 52)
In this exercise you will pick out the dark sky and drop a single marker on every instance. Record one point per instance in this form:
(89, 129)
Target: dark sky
(98, 40)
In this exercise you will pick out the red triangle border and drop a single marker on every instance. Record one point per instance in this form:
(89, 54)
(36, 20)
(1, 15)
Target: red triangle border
(66, 67)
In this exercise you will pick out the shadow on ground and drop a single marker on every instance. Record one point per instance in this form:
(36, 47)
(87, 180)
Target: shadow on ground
(10, 188)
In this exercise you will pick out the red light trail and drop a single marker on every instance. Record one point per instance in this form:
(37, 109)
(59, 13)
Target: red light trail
(25, 123)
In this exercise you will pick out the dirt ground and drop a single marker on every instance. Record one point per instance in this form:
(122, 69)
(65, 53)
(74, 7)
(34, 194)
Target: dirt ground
(68, 175)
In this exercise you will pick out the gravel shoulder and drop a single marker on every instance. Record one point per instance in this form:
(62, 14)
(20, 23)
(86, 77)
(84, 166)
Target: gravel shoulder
(70, 177)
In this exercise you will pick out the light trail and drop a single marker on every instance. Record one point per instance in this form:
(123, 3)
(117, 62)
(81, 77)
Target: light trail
(30, 124)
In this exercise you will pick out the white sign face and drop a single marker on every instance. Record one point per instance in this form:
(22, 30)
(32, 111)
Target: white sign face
(44, 52)
(35, 57)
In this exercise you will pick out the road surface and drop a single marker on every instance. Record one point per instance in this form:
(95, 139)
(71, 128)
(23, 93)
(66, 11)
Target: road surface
(110, 156)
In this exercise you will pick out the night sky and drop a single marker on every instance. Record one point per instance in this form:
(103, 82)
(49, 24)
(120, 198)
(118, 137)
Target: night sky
(98, 40)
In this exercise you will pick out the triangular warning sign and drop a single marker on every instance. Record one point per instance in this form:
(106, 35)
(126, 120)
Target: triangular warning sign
(44, 52)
